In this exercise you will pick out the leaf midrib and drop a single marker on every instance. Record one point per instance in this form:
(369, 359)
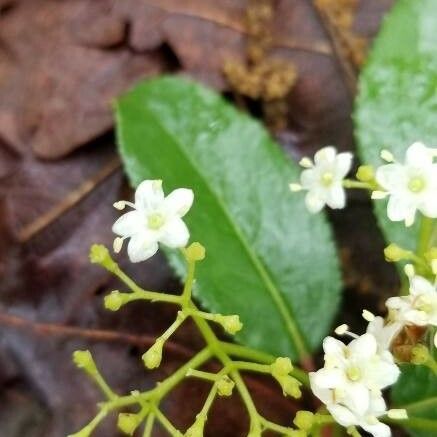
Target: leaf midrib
(283, 307)
(421, 404)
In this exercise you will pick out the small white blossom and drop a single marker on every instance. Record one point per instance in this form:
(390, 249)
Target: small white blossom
(154, 219)
(411, 186)
(419, 307)
(323, 179)
(351, 381)
(384, 333)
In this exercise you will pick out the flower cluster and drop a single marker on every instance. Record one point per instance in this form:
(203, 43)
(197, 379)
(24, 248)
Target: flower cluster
(410, 187)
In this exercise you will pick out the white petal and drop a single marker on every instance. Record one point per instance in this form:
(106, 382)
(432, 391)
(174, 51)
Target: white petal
(174, 233)
(314, 202)
(343, 164)
(419, 286)
(428, 205)
(418, 155)
(382, 374)
(328, 378)
(324, 394)
(377, 430)
(357, 398)
(332, 346)
(399, 209)
(325, 155)
(391, 177)
(149, 195)
(363, 347)
(308, 178)
(342, 415)
(179, 201)
(141, 247)
(336, 197)
(129, 224)
(435, 339)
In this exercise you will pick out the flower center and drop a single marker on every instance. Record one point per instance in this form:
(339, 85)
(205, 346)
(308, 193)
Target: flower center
(416, 184)
(155, 221)
(327, 178)
(353, 373)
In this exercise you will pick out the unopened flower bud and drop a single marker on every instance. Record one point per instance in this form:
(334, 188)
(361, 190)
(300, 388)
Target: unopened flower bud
(196, 429)
(290, 386)
(231, 324)
(225, 385)
(395, 253)
(84, 360)
(419, 354)
(128, 422)
(304, 420)
(113, 301)
(152, 358)
(195, 252)
(99, 254)
(365, 173)
(282, 366)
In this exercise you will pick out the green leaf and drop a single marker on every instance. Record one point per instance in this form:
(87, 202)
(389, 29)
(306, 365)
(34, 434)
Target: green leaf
(416, 391)
(267, 259)
(397, 101)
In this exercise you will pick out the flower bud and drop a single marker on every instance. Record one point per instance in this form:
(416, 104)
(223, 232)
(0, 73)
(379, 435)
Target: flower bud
(282, 366)
(128, 422)
(290, 386)
(365, 173)
(395, 253)
(304, 420)
(195, 252)
(225, 385)
(84, 360)
(231, 324)
(196, 429)
(99, 254)
(113, 301)
(152, 358)
(419, 354)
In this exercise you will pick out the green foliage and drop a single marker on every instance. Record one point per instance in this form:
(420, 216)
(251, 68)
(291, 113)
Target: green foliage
(397, 101)
(416, 391)
(268, 259)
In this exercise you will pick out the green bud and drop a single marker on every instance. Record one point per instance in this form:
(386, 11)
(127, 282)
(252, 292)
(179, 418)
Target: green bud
(84, 360)
(394, 253)
(196, 429)
(152, 358)
(290, 386)
(195, 252)
(225, 385)
(231, 324)
(128, 422)
(113, 301)
(365, 173)
(282, 366)
(99, 254)
(304, 420)
(419, 354)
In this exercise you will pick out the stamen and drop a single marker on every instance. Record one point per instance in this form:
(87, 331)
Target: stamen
(397, 413)
(344, 330)
(118, 244)
(306, 162)
(386, 155)
(119, 205)
(295, 187)
(368, 316)
(377, 195)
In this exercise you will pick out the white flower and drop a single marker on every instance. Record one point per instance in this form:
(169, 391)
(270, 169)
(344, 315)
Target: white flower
(154, 219)
(412, 186)
(324, 178)
(384, 333)
(419, 307)
(351, 381)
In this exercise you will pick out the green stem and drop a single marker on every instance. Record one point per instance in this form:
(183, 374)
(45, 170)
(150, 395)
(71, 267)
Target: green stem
(186, 294)
(148, 428)
(207, 376)
(168, 426)
(174, 326)
(348, 183)
(104, 387)
(426, 229)
(283, 430)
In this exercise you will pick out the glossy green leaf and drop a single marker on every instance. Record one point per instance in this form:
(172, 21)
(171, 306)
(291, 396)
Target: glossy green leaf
(267, 260)
(416, 391)
(397, 101)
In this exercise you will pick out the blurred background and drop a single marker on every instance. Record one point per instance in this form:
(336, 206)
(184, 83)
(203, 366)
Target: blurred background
(291, 63)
